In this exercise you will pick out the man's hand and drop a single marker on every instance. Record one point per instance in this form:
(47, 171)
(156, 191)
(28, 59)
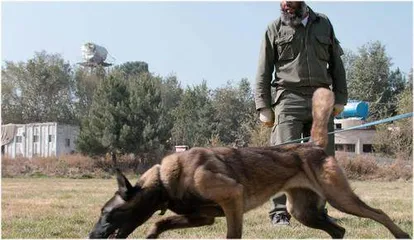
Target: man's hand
(267, 117)
(337, 109)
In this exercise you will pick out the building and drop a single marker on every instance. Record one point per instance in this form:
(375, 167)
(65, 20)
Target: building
(38, 139)
(357, 141)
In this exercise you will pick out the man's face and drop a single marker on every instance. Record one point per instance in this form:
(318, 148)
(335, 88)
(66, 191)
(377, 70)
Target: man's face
(291, 7)
(293, 12)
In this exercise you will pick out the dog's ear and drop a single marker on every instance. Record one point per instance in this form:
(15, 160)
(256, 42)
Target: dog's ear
(124, 186)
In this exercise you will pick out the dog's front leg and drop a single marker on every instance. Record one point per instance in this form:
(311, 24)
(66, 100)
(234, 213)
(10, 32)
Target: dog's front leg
(227, 193)
(233, 209)
(178, 221)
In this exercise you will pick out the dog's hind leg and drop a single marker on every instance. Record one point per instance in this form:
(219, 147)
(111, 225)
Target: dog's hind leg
(176, 222)
(227, 193)
(308, 208)
(340, 195)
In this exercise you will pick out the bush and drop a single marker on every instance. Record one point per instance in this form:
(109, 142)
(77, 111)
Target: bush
(260, 136)
(357, 167)
(366, 167)
(73, 166)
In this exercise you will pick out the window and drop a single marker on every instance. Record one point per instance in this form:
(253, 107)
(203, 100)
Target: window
(67, 142)
(51, 138)
(36, 138)
(338, 126)
(367, 148)
(349, 147)
(345, 147)
(339, 147)
(18, 139)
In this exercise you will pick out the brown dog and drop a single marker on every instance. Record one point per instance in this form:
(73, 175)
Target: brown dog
(203, 183)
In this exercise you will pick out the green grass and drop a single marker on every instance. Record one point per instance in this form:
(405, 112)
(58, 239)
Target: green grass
(68, 208)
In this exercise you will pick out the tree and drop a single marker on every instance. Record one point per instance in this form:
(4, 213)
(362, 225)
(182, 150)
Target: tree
(86, 82)
(368, 77)
(396, 85)
(129, 69)
(194, 117)
(248, 113)
(396, 139)
(348, 59)
(149, 125)
(171, 92)
(100, 131)
(410, 80)
(235, 113)
(39, 90)
(126, 116)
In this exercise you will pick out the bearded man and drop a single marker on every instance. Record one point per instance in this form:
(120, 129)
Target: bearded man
(301, 49)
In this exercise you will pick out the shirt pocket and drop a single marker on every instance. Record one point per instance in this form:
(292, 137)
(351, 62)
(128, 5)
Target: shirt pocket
(285, 48)
(323, 43)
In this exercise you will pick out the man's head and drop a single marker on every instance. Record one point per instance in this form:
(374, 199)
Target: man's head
(293, 12)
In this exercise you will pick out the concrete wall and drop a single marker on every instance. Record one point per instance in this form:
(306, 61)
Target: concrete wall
(358, 138)
(66, 139)
(41, 139)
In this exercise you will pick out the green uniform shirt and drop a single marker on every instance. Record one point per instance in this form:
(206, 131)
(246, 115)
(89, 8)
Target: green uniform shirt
(302, 60)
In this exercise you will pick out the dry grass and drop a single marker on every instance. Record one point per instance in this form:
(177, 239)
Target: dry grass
(359, 167)
(68, 208)
(366, 167)
(71, 166)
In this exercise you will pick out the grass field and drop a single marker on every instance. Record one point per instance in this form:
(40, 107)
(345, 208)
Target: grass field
(68, 208)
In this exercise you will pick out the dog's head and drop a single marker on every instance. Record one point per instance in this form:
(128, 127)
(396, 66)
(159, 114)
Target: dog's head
(130, 207)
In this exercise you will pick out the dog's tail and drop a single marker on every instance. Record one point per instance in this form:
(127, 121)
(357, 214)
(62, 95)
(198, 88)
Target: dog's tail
(328, 174)
(322, 105)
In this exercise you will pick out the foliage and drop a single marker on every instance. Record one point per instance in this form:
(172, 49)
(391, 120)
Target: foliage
(130, 110)
(125, 116)
(39, 90)
(129, 69)
(396, 139)
(194, 117)
(388, 93)
(234, 113)
(260, 135)
(370, 79)
(86, 81)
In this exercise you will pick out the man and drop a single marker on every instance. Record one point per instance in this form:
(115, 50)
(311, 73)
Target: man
(301, 49)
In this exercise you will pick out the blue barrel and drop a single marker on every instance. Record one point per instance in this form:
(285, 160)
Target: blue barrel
(357, 109)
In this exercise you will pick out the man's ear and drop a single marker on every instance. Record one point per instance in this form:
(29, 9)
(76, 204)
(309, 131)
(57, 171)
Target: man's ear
(124, 186)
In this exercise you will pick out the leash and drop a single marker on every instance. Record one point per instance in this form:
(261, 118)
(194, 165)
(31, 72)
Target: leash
(390, 119)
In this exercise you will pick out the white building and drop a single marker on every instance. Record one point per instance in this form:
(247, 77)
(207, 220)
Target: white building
(38, 139)
(357, 141)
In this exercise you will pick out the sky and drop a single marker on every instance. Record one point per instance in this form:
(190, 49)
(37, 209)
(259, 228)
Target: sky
(213, 41)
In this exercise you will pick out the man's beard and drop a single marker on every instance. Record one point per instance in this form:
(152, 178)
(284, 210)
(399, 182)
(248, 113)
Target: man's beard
(294, 19)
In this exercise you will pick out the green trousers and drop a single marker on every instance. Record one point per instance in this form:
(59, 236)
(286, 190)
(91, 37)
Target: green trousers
(293, 120)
